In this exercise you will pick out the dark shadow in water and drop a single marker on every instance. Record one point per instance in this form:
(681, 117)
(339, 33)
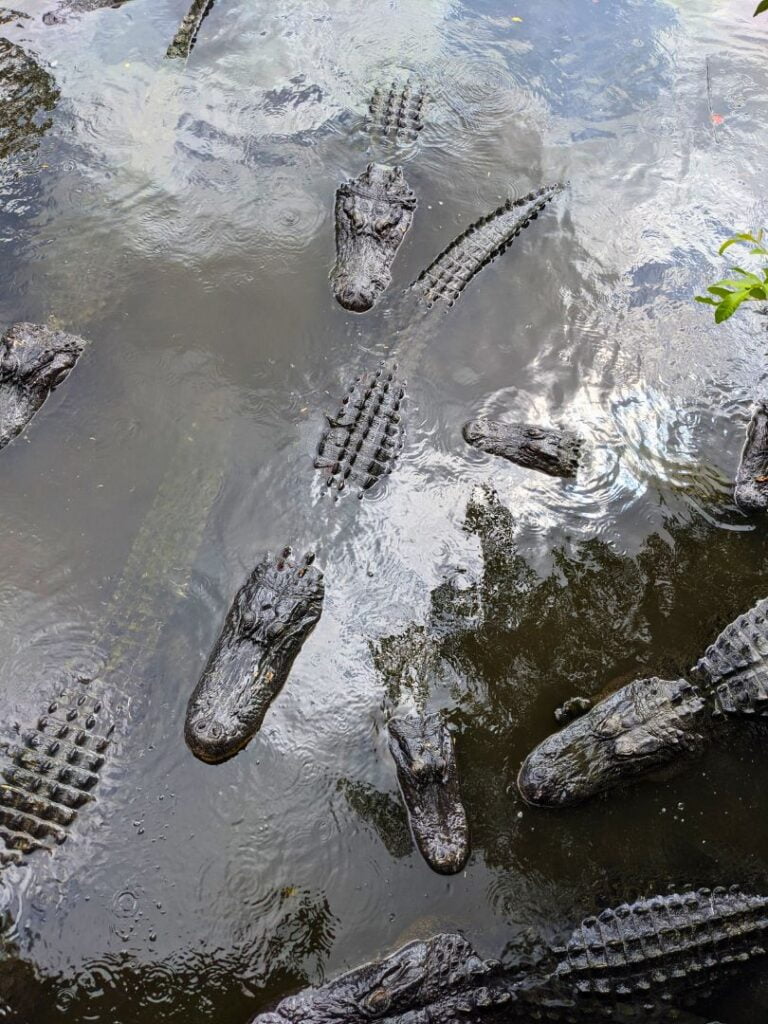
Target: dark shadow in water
(193, 986)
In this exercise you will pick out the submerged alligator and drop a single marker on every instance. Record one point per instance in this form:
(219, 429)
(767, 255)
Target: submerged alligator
(555, 452)
(654, 960)
(50, 769)
(67, 7)
(34, 360)
(654, 724)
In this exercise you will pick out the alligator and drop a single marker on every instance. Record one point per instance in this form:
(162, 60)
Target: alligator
(654, 960)
(50, 770)
(271, 616)
(654, 724)
(555, 452)
(67, 7)
(29, 92)
(422, 749)
(375, 210)
(34, 360)
(184, 41)
(751, 490)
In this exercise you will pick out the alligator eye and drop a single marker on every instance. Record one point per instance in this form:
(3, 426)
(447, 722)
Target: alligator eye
(356, 217)
(378, 1001)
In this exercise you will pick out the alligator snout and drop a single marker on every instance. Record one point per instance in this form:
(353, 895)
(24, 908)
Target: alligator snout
(358, 296)
(210, 741)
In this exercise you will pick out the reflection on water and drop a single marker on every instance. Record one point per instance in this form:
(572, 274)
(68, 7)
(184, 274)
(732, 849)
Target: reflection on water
(179, 215)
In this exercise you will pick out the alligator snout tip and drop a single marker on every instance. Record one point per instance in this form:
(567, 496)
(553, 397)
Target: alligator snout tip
(450, 856)
(355, 297)
(209, 741)
(540, 788)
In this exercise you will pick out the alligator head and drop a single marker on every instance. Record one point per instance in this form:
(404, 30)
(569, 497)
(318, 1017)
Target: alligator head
(404, 987)
(647, 725)
(34, 360)
(272, 614)
(422, 748)
(751, 491)
(373, 214)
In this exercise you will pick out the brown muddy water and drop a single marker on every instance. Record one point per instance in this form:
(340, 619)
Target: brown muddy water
(179, 215)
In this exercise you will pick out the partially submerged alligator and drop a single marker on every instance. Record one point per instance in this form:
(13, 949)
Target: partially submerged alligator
(34, 360)
(67, 7)
(654, 724)
(422, 749)
(184, 41)
(555, 452)
(654, 960)
(751, 490)
(375, 210)
(271, 616)
(50, 769)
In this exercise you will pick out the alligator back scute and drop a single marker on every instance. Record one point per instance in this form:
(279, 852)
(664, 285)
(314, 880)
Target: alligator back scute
(736, 664)
(365, 437)
(665, 945)
(397, 111)
(450, 273)
(51, 772)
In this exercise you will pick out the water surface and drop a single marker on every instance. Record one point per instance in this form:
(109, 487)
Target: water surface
(178, 215)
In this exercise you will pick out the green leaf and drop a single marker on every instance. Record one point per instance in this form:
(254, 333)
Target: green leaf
(746, 273)
(762, 7)
(758, 293)
(722, 292)
(727, 308)
(758, 252)
(708, 301)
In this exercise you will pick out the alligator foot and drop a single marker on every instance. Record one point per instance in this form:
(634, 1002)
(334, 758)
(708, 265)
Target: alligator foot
(397, 112)
(271, 616)
(751, 490)
(34, 360)
(184, 41)
(422, 748)
(450, 273)
(645, 726)
(373, 214)
(366, 435)
(572, 709)
(555, 452)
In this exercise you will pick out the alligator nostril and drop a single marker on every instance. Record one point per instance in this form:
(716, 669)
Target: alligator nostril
(358, 300)
(209, 730)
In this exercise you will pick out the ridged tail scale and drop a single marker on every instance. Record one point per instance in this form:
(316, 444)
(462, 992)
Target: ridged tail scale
(51, 773)
(397, 112)
(448, 276)
(366, 435)
(184, 41)
(664, 945)
(736, 664)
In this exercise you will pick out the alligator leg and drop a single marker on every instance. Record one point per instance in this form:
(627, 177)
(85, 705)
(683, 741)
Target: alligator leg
(423, 752)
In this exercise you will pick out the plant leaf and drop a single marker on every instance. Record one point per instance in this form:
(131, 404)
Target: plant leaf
(708, 301)
(758, 252)
(758, 293)
(762, 7)
(722, 292)
(727, 308)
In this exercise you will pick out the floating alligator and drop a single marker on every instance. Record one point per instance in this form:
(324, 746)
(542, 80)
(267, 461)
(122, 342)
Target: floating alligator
(184, 41)
(654, 723)
(375, 210)
(34, 360)
(271, 616)
(654, 960)
(50, 769)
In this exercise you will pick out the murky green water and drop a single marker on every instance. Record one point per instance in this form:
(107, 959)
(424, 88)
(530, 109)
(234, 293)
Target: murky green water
(179, 216)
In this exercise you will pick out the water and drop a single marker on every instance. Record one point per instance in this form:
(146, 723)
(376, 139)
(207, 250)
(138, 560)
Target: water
(179, 216)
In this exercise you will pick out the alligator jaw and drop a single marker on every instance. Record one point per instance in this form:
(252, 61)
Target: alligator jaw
(751, 491)
(373, 214)
(647, 725)
(422, 749)
(272, 614)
